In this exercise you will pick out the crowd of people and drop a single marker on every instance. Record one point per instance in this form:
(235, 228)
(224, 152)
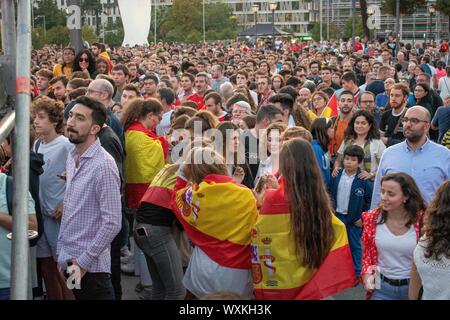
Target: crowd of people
(229, 170)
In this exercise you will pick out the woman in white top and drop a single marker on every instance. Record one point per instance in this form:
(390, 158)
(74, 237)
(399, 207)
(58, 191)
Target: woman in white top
(431, 268)
(362, 130)
(391, 232)
(269, 165)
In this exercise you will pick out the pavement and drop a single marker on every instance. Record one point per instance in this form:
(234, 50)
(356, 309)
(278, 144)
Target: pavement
(129, 284)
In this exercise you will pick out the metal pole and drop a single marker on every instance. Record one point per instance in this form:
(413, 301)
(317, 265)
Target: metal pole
(273, 30)
(7, 125)
(328, 20)
(154, 7)
(397, 28)
(21, 149)
(45, 28)
(204, 28)
(256, 30)
(8, 59)
(74, 24)
(353, 21)
(320, 18)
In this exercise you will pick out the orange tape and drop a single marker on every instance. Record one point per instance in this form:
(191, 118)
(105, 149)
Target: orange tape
(23, 85)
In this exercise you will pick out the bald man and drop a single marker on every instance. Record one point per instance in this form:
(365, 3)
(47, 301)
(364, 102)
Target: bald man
(426, 162)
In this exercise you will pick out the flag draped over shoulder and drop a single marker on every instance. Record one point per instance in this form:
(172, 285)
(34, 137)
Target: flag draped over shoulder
(145, 158)
(160, 190)
(277, 273)
(218, 215)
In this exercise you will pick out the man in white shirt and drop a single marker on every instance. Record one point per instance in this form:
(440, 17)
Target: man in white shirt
(167, 98)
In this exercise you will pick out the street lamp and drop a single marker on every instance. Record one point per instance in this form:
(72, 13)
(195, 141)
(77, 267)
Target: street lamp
(45, 28)
(255, 9)
(273, 7)
(431, 11)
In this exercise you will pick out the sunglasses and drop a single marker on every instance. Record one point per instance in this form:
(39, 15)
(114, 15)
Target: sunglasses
(84, 60)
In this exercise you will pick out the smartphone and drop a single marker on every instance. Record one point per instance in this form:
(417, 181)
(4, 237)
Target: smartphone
(261, 184)
(142, 232)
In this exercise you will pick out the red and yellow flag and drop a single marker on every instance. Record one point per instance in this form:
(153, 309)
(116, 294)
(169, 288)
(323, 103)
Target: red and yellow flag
(160, 190)
(277, 273)
(218, 215)
(145, 158)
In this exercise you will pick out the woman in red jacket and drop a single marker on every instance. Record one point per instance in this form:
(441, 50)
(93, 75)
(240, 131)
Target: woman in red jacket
(391, 232)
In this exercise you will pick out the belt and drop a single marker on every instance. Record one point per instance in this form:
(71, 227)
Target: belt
(395, 282)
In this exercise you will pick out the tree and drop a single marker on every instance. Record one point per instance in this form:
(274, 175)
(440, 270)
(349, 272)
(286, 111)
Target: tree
(335, 32)
(54, 17)
(348, 28)
(161, 16)
(444, 7)
(184, 22)
(364, 16)
(406, 6)
(94, 8)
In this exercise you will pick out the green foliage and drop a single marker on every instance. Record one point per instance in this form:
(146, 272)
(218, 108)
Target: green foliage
(89, 34)
(443, 6)
(335, 32)
(161, 16)
(348, 28)
(53, 16)
(184, 22)
(56, 35)
(114, 33)
(406, 6)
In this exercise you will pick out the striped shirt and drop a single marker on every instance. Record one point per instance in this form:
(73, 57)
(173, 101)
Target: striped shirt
(92, 210)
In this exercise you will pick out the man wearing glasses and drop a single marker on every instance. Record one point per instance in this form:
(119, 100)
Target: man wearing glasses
(367, 102)
(413, 155)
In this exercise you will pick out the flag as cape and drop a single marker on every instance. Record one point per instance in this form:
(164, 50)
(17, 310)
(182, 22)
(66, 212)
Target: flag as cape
(218, 215)
(145, 158)
(278, 274)
(160, 191)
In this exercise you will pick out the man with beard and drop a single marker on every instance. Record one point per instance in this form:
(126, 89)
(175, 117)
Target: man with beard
(92, 204)
(391, 125)
(426, 162)
(201, 86)
(346, 104)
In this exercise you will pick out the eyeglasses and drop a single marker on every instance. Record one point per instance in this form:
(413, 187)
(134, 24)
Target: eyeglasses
(414, 121)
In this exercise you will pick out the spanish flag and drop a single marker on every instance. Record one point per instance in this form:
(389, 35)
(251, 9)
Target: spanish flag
(218, 215)
(277, 273)
(145, 158)
(160, 191)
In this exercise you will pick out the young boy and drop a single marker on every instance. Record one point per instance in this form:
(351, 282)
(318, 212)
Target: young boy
(351, 196)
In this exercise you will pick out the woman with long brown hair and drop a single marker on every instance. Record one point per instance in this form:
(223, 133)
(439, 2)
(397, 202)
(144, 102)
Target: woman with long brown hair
(390, 234)
(431, 268)
(297, 238)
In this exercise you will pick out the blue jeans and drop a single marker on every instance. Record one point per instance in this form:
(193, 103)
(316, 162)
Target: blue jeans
(390, 292)
(354, 240)
(163, 261)
(5, 293)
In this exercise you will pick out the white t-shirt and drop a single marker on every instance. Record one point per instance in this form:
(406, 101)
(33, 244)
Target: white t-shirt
(164, 124)
(444, 87)
(377, 148)
(204, 276)
(344, 192)
(51, 187)
(395, 253)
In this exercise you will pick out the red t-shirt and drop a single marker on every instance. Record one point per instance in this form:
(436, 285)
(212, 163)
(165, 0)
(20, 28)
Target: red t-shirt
(198, 99)
(444, 47)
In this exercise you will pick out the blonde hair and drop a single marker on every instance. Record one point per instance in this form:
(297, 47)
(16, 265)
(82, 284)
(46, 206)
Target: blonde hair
(202, 161)
(296, 132)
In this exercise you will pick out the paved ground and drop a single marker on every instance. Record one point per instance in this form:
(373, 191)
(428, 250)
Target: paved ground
(129, 284)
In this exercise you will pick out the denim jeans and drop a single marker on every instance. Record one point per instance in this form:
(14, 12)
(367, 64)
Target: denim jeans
(5, 293)
(95, 286)
(163, 261)
(390, 292)
(354, 240)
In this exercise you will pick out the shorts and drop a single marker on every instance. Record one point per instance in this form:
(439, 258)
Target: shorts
(46, 245)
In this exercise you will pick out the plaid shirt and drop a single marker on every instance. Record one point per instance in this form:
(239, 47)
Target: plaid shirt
(92, 210)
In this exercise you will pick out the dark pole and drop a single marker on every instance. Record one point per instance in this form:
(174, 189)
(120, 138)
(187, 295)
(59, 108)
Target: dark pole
(273, 30)
(353, 22)
(397, 27)
(74, 24)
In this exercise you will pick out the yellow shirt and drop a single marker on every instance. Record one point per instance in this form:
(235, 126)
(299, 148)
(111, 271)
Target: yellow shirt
(58, 71)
